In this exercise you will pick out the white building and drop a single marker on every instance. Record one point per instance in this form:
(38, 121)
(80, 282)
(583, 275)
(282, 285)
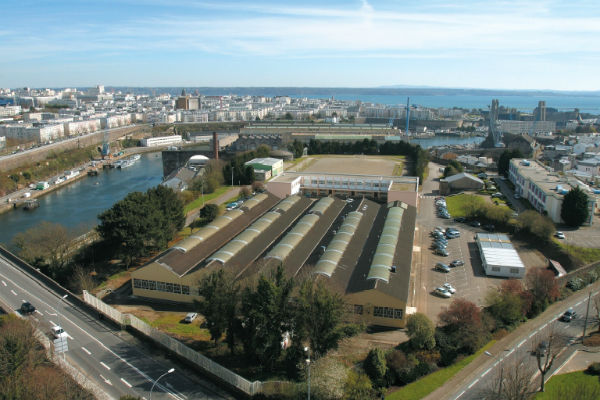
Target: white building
(161, 141)
(544, 189)
(75, 128)
(498, 256)
(9, 111)
(29, 132)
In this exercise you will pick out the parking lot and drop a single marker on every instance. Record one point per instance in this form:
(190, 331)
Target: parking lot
(469, 280)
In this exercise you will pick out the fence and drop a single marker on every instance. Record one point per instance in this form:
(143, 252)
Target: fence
(202, 362)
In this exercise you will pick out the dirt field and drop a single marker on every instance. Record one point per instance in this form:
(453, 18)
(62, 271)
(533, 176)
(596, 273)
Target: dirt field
(367, 165)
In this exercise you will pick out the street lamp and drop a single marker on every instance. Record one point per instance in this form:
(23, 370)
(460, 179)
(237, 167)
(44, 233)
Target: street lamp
(156, 381)
(307, 351)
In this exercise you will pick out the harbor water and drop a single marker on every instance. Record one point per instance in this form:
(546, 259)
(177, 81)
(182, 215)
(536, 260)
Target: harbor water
(77, 205)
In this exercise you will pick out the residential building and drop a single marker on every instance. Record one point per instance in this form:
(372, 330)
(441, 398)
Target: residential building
(161, 141)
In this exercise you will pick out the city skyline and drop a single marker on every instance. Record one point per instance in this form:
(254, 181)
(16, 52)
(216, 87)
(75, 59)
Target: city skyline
(516, 45)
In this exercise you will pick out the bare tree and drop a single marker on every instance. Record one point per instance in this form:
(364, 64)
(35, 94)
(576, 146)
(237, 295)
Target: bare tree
(546, 352)
(513, 382)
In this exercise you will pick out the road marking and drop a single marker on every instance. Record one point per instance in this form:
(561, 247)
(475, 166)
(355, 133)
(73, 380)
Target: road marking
(23, 301)
(486, 372)
(4, 283)
(125, 382)
(510, 352)
(53, 324)
(105, 380)
(36, 320)
(521, 343)
(577, 304)
(530, 336)
(137, 370)
(52, 314)
(460, 394)
(544, 326)
(13, 292)
(69, 336)
(473, 383)
(104, 365)
(86, 350)
(38, 312)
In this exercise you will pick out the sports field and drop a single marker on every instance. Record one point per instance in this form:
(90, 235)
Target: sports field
(366, 165)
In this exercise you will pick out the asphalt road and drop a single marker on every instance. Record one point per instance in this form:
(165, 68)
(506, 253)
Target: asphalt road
(519, 353)
(104, 354)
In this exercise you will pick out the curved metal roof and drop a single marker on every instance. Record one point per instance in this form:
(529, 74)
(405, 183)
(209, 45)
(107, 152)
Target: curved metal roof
(334, 252)
(386, 248)
(283, 249)
(234, 246)
(254, 201)
(207, 231)
(321, 206)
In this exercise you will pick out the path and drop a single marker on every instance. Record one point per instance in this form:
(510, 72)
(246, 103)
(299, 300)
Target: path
(194, 214)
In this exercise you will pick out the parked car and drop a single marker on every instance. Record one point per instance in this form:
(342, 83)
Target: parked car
(517, 196)
(443, 292)
(445, 216)
(27, 308)
(457, 263)
(475, 224)
(489, 227)
(460, 219)
(559, 235)
(440, 229)
(58, 332)
(190, 317)
(449, 287)
(497, 195)
(349, 200)
(452, 235)
(441, 252)
(442, 267)
(569, 315)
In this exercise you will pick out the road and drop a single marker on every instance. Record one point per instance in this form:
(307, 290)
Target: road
(107, 356)
(514, 350)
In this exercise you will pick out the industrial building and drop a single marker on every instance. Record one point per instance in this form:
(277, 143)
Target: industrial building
(362, 249)
(498, 256)
(265, 168)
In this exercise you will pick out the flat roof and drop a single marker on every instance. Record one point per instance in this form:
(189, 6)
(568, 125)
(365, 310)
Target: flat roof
(264, 161)
(497, 250)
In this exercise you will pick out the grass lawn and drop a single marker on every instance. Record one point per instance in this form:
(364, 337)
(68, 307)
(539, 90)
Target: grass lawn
(198, 202)
(586, 254)
(422, 387)
(459, 205)
(398, 169)
(567, 383)
(170, 323)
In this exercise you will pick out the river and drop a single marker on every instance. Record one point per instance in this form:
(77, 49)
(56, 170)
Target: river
(436, 141)
(77, 205)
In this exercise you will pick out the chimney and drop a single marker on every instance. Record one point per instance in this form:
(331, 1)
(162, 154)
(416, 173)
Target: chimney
(215, 146)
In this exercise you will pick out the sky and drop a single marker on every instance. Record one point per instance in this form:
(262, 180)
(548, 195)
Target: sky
(498, 44)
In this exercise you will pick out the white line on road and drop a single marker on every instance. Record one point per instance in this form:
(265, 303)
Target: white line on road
(486, 372)
(86, 350)
(52, 314)
(577, 304)
(38, 312)
(530, 336)
(460, 394)
(23, 301)
(36, 320)
(104, 365)
(521, 343)
(52, 322)
(4, 283)
(473, 383)
(125, 382)
(69, 336)
(544, 326)
(105, 380)
(13, 292)
(509, 353)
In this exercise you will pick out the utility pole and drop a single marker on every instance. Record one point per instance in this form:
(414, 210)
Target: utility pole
(587, 311)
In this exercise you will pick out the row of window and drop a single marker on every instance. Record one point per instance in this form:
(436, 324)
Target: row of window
(384, 184)
(512, 270)
(161, 286)
(387, 312)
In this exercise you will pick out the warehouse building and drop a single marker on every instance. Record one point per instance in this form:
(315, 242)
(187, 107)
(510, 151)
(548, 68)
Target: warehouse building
(498, 256)
(265, 168)
(459, 182)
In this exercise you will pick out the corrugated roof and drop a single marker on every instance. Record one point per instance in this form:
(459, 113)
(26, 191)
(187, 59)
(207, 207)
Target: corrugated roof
(497, 250)
(204, 233)
(333, 254)
(386, 248)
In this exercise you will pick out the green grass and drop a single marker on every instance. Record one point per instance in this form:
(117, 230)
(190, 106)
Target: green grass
(586, 254)
(198, 202)
(567, 383)
(459, 205)
(398, 169)
(421, 388)
(171, 323)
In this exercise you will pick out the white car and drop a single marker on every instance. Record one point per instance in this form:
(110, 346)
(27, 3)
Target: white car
(559, 235)
(443, 292)
(449, 288)
(58, 332)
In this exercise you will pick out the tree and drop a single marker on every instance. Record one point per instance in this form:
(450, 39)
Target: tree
(463, 326)
(209, 212)
(506, 303)
(219, 304)
(375, 366)
(420, 331)
(263, 150)
(288, 116)
(545, 354)
(454, 167)
(574, 210)
(511, 383)
(317, 315)
(539, 226)
(266, 316)
(504, 160)
(46, 246)
(543, 288)
(358, 386)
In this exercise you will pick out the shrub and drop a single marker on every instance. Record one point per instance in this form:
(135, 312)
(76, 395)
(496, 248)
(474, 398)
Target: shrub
(575, 284)
(593, 369)
(375, 366)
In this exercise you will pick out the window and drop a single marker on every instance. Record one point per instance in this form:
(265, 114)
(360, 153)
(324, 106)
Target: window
(398, 313)
(358, 309)
(387, 312)
(496, 269)
(185, 289)
(137, 284)
(514, 270)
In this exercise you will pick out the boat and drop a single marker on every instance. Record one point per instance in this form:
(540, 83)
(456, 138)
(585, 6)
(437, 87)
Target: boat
(92, 172)
(125, 164)
(136, 157)
(31, 204)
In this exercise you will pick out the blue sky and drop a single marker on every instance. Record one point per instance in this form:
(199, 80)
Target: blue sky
(476, 44)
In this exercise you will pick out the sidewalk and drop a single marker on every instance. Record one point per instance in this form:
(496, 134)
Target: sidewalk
(194, 214)
(477, 366)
